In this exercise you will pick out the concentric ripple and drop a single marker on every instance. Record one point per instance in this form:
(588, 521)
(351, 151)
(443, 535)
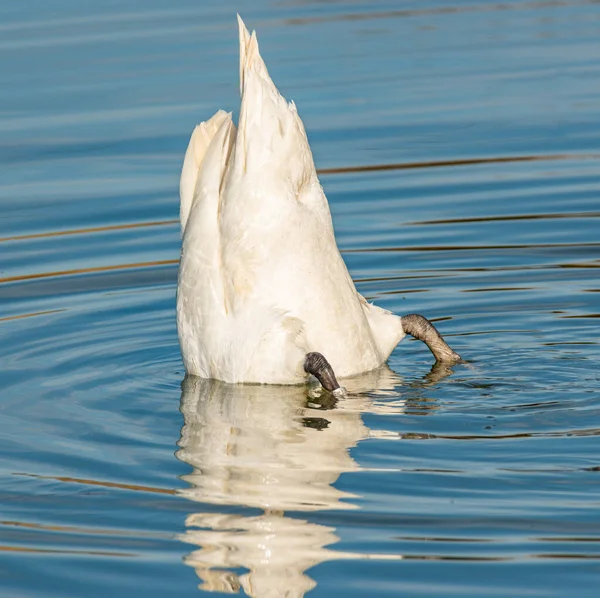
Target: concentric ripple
(459, 148)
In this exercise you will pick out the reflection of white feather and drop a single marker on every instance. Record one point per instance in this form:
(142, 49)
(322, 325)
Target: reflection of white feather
(264, 447)
(253, 445)
(261, 280)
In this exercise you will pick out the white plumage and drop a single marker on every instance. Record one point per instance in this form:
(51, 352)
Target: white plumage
(261, 280)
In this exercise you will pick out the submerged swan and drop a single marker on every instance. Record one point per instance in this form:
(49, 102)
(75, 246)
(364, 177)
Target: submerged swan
(263, 293)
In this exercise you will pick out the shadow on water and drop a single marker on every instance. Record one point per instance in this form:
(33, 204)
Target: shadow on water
(274, 450)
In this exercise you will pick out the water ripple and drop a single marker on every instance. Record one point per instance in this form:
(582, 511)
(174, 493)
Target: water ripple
(459, 150)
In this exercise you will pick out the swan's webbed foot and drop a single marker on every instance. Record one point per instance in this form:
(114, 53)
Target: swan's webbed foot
(422, 329)
(319, 367)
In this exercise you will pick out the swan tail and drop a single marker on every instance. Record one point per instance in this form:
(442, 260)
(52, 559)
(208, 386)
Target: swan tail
(271, 134)
(199, 143)
(244, 41)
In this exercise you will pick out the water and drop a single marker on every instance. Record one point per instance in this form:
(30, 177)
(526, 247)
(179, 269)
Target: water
(459, 147)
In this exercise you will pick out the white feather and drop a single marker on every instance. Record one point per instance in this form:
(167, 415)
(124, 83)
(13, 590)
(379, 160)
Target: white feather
(261, 280)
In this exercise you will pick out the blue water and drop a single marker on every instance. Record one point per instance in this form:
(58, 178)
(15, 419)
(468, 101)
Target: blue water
(459, 147)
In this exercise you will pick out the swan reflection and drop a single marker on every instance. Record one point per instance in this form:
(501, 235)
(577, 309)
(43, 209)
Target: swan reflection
(269, 450)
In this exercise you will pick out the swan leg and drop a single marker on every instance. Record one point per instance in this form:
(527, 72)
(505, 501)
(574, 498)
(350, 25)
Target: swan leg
(319, 367)
(422, 329)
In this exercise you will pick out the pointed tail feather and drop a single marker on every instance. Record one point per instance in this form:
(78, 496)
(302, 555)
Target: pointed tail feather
(250, 58)
(270, 133)
(244, 40)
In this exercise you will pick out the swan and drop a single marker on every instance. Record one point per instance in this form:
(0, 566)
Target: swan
(263, 294)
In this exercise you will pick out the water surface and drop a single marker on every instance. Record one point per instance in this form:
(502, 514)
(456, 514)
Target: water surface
(459, 147)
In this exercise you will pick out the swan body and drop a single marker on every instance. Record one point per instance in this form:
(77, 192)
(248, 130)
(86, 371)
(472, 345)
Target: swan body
(261, 280)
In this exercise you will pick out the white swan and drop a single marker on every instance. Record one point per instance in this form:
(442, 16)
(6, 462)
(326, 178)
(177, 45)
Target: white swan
(263, 293)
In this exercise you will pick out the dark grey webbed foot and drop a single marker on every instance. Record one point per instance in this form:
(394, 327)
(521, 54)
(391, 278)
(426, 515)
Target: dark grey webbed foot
(319, 367)
(422, 329)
